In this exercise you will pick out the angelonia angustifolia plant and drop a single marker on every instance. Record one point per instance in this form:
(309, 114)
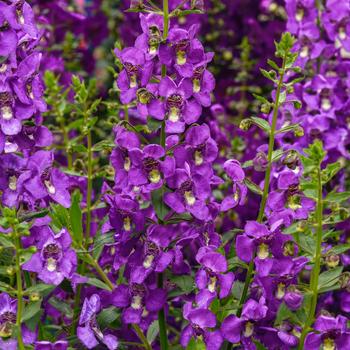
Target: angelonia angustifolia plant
(174, 175)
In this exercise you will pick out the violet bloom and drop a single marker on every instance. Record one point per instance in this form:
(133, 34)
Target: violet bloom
(28, 85)
(200, 322)
(47, 181)
(331, 333)
(191, 193)
(138, 301)
(149, 170)
(147, 258)
(150, 39)
(288, 201)
(257, 239)
(136, 73)
(46, 345)
(120, 158)
(177, 108)
(199, 150)
(88, 331)
(55, 259)
(212, 279)
(145, 96)
(242, 330)
(11, 178)
(235, 172)
(182, 49)
(125, 216)
(8, 312)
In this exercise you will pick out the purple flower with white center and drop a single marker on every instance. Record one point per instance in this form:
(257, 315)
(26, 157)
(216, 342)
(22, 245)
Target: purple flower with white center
(177, 108)
(149, 170)
(203, 81)
(120, 157)
(182, 49)
(55, 259)
(200, 321)
(28, 86)
(8, 315)
(191, 193)
(150, 39)
(330, 332)
(145, 96)
(46, 345)
(288, 201)
(258, 239)
(199, 150)
(212, 276)
(10, 119)
(138, 301)
(242, 329)
(47, 181)
(235, 172)
(12, 178)
(88, 331)
(147, 258)
(136, 73)
(125, 216)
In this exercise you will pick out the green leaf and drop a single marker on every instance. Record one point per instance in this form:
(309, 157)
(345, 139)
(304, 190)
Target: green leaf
(258, 345)
(253, 187)
(152, 331)
(158, 203)
(329, 278)
(185, 283)
(273, 64)
(59, 216)
(287, 128)
(104, 145)
(31, 310)
(282, 98)
(196, 344)
(40, 288)
(62, 306)
(100, 241)
(306, 243)
(339, 249)
(284, 313)
(337, 197)
(107, 316)
(330, 171)
(262, 124)
(76, 218)
(271, 75)
(97, 283)
(5, 241)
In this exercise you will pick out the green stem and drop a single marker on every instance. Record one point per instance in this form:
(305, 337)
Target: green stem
(19, 290)
(164, 345)
(317, 267)
(100, 271)
(65, 142)
(142, 336)
(250, 271)
(89, 189)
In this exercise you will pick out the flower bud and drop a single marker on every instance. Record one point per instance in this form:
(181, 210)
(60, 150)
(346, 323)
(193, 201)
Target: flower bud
(245, 124)
(332, 260)
(291, 160)
(260, 161)
(299, 131)
(265, 108)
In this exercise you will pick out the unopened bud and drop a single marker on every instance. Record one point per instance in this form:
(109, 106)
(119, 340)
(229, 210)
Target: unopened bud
(245, 124)
(299, 131)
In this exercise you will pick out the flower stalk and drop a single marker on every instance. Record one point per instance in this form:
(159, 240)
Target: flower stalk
(317, 267)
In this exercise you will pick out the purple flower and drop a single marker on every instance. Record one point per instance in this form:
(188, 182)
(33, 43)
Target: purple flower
(47, 181)
(136, 73)
(138, 301)
(54, 260)
(149, 170)
(212, 276)
(8, 312)
(235, 172)
(191, 193)
(177, 108)
(200, 321)
(241, 330)
(331, 333)
(88, 331)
